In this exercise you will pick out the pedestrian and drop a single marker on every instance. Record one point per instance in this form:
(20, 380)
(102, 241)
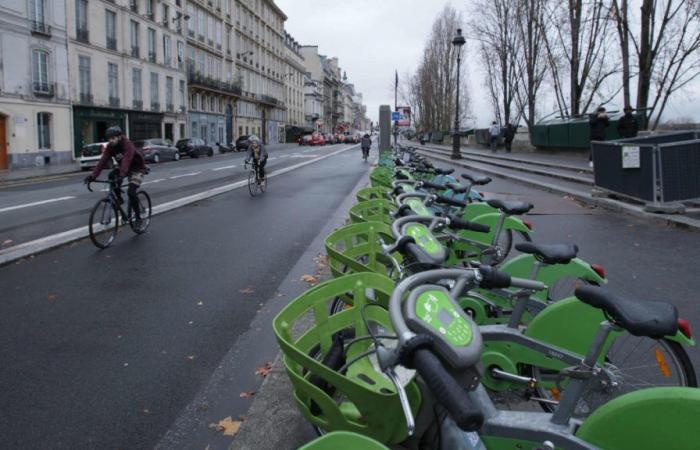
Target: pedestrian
(494, 134)
(599, 122)
(627, 126)
(510, 135)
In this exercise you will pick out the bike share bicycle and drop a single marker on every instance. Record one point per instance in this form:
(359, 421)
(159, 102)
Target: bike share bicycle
(256, 185)
(105, 215)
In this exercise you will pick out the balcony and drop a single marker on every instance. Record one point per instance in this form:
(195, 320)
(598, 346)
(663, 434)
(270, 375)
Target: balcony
(155, 106)
(152, 57)
(41, 28)
(113, 101)
(268, 100)
(82, 35)
(137, 104)
(85, 99)
(195, 79)
(170, 107)
(42, 89)
(135, 51)
(111, 43)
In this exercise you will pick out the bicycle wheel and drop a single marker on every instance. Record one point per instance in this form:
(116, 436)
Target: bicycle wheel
(145, 208)
(252, 184)
(631, 363)
(104, 222)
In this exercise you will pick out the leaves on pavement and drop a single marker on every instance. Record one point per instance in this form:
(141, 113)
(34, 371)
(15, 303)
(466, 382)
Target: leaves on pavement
(310, 279)
(246, 291)
(264, 369)
(228, 426)
(52, 296)
(7, 242)
(247, 394)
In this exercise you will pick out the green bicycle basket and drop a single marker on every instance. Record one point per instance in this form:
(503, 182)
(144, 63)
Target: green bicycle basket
(377, 210)
(371, 193)
(357, 248)
(361, 400)
(381, 177)
(342, 440)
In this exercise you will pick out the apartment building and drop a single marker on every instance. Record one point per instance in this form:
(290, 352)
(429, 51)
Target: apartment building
(294, 82)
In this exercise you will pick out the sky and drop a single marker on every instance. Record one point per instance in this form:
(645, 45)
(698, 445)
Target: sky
(373, 38)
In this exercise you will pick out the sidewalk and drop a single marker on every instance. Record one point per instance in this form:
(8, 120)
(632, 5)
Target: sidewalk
(7, 176)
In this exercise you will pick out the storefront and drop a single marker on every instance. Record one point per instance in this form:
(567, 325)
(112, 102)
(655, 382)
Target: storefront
(90, 124)
(145, 125)
(209, 127)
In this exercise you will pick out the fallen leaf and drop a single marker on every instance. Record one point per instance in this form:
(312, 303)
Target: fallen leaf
(53, 296)
(191, 357)
(228, 426)
(200, 303)
(264, 370)
(146, 411)
(7, 242)
(309, 279)
(246, 291)
(247, 394)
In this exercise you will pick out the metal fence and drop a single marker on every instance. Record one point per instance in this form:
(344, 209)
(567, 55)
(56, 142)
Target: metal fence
(657, 169)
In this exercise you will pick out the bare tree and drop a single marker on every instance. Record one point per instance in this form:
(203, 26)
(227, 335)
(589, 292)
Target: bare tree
(667, 50)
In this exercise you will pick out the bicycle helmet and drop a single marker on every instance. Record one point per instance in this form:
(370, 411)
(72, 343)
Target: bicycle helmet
(113, 132)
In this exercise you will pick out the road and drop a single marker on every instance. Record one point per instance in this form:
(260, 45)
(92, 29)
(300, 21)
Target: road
(103, 349)
(37, 208)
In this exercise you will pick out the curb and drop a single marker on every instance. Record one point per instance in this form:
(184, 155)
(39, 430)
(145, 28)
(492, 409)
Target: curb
(11, 254)
(584, 197)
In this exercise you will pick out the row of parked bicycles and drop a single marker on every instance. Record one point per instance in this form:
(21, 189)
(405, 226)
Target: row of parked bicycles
(429, 323)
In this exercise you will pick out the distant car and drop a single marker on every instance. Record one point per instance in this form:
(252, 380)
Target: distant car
(194, 148)
(91, 154)
(243, 141)
(157, 150)
(317, 139)
(330, 139)
(305, 140)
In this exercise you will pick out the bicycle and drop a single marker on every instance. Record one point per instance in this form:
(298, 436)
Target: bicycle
(255, 184)
(104, 217)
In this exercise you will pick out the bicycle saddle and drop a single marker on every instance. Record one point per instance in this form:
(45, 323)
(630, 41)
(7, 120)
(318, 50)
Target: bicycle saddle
(649, 319)
(511, 206)
(549, 254)
(478, 180)
(457, 188)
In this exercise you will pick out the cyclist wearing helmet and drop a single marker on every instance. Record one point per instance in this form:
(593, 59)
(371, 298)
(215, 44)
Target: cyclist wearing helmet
(257, 152)
(131, 164)
(366, 143)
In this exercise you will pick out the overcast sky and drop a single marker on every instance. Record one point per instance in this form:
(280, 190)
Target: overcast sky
(373, 38)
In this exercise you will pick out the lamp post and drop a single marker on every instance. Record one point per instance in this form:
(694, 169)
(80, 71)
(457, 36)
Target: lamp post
(458, 42)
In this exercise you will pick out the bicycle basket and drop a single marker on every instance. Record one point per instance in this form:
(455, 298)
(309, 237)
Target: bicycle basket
(358, 248)
(361, 400)
(381, 177)
(377, 210)
(343, 440)
(371, 193)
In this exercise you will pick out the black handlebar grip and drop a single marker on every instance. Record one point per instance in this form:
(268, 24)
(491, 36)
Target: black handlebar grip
(493, 278)
(450, 201)
(447, 391)
(460, 224)
(432, 185)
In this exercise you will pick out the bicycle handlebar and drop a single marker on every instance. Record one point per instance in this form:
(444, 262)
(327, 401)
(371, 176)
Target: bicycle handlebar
(450, 201)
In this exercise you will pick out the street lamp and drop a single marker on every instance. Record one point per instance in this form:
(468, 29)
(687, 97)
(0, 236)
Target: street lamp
(458, 42)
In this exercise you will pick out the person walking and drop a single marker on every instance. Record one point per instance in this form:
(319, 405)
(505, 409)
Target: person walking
(494, 134)
(627, 126)
(598, 123)
(509, 136)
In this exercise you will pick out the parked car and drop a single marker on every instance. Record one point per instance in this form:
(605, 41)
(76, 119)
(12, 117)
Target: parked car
(194, 148)
(90, 154)
(224, 148)
(243, 141)
(318, 139)
(305, 139)
(330, 139)
(157, 150)
(340, 138)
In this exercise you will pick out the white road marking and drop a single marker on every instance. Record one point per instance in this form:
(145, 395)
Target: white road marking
(153, 181)
(303, 156)
(224, 167)
(272, 158)
(184, 175)
(42, 202)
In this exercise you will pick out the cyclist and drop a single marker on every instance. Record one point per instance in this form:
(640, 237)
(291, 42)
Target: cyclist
(258, 154)
(131, 164)
(366, 143)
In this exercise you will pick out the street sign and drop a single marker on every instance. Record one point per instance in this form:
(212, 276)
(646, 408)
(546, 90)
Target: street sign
(395, 115)
(405, 119)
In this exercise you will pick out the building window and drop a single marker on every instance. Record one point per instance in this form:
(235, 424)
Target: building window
(180, 54)
(154, 92)
(149, 9)
(169, 93)
(166, 16)
(151, 45)
(36, 15)
(134, 5)
(81, 25)
(190, 23)
(136, 77)
(113, 83)
(167, 50)
(182, 131)
(40, 71)
(134, 31)
(202, 25)
(182, 95)
(43, 122)
(202, 103)
(84, 77)
(111, 29)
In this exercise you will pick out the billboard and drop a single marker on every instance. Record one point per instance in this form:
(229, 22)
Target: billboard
(405, 120)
